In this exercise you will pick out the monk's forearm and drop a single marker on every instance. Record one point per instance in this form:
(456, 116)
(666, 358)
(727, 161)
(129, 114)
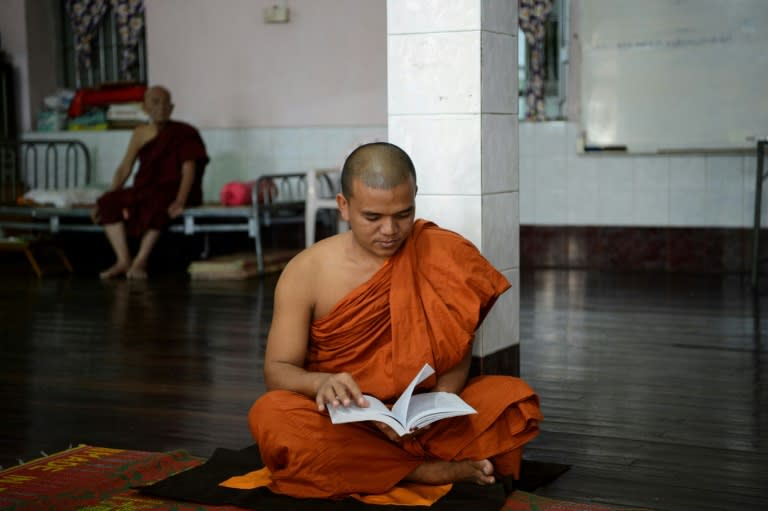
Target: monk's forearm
(120, 177)
(454, 380)
(286, 376)
(187, 178)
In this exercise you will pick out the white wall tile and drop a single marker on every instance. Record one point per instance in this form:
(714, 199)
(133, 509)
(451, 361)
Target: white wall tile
(445, 150)
(500, 232)
(498, 73)
(725, 178)
(228, 151)
(434, 73)
(312, 145)
(499, 153)
(501, 328)
(686, 210)
(687, 172)
(106, 149)
(527, 194)
(499, 16)
(551, 195)
(583, 191)
(407, 16)
(615, 191)
(687, 187)
(462, 214)
(650, 207)
(527, 143)
(650, 201)
(285, 143)
(551, 139)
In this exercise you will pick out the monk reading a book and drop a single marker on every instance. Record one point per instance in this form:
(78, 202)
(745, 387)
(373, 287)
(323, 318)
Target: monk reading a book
(171, 158)
(361, 313)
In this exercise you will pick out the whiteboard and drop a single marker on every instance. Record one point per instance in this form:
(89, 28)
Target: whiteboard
(662, 75)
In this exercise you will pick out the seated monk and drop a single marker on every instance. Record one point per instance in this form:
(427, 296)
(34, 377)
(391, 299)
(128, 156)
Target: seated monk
(171, 158)
(360, 313)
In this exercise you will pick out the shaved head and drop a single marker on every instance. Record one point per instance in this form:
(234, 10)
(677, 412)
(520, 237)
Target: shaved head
(158, 105)
(379, 165)
(155, 90)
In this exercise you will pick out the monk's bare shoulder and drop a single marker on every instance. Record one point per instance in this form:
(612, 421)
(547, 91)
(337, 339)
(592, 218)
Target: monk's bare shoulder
(143, 134)
(323, 272)
(317, 261)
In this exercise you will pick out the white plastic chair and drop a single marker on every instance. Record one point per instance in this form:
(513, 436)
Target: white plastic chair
(321, 183)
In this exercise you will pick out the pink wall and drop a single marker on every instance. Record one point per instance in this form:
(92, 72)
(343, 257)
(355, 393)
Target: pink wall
(227, 68)
(13, 36)
(43, 52)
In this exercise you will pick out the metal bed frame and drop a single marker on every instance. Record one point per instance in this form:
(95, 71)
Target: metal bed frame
(277, 199)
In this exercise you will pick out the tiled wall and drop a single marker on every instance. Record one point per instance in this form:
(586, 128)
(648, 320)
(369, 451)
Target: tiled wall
(557, 185)
(560, 187)
(453, 107)
(238, 154)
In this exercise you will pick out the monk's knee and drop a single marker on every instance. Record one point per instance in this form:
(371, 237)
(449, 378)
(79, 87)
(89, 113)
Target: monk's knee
(278, 420)
(264, 409)
(273, 412)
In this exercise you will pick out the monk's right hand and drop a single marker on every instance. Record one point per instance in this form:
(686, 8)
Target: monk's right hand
(338, 390)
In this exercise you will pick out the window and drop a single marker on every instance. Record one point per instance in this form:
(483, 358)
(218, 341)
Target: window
(554, 64)
(108, 60)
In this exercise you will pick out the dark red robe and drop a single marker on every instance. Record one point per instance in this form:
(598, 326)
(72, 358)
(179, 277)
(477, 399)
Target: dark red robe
(145, 204)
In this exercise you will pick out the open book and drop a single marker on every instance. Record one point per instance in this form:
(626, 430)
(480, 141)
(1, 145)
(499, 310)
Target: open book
(410, 412)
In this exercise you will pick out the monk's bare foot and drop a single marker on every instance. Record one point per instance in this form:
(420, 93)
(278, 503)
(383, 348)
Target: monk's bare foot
(444, 472)
(114, 271)
(136, 273)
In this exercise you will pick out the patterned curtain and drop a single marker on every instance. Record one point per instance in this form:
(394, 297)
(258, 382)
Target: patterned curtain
(532, 15)
(85, 16)
(129, 18)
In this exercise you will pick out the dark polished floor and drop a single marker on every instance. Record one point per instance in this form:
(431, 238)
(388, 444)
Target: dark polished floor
(653, 385)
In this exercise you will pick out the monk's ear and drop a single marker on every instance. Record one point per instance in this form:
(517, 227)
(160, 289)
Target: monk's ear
(343, 205)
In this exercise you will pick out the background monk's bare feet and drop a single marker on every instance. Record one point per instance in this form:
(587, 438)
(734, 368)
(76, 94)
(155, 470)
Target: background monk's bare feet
(114, 271)
(136, 273)
(444, 472)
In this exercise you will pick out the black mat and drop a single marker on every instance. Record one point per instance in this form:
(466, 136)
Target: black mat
(201, 485)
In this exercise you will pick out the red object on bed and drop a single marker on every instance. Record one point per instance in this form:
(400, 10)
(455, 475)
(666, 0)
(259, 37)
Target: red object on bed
(87, 98)
(238, 193)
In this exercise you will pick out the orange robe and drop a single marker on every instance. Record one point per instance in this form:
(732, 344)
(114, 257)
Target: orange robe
(423, 305)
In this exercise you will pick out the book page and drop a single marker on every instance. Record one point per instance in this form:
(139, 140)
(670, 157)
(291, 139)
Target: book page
(432, 406)
(400, 408)
(376, 411)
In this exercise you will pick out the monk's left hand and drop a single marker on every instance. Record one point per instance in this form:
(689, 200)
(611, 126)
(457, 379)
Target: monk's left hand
(175, 209)
(393, 436)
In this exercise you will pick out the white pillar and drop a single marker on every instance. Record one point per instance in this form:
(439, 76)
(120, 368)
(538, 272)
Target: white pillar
(452, 92)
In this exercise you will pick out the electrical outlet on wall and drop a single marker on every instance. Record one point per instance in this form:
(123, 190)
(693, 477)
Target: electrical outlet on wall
(276, 14)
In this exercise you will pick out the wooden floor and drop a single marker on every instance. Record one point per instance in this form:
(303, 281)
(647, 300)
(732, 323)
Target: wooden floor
(653, 386)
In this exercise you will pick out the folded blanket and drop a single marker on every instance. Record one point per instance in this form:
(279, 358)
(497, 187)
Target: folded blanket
(63, 197)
